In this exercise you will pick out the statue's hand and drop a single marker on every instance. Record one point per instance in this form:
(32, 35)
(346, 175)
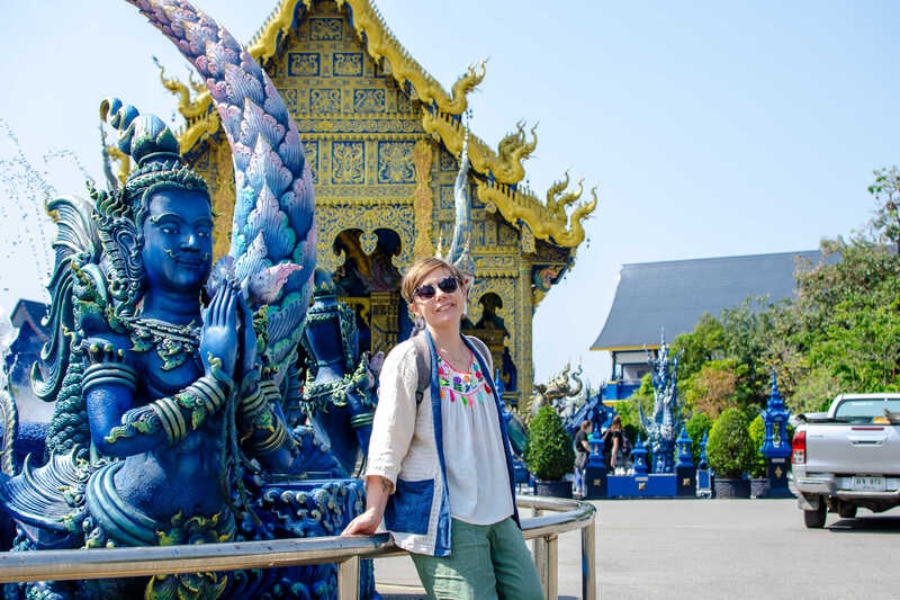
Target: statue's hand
(219, 337)
(249, 357)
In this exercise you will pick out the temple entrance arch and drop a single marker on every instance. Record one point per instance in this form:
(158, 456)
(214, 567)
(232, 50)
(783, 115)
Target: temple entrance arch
(368, 281)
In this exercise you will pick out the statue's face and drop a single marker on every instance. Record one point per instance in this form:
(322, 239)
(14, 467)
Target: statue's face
(177, 251)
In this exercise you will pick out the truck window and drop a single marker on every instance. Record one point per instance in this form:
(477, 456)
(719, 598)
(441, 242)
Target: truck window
(864, 410)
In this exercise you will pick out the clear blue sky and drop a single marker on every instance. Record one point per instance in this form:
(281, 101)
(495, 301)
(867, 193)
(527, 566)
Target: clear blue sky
(711, 128)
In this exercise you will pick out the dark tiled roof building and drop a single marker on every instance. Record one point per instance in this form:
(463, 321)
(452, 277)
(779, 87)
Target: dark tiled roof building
(669, 298)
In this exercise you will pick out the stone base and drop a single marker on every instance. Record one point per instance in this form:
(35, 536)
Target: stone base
(731, 488)
(557, 489)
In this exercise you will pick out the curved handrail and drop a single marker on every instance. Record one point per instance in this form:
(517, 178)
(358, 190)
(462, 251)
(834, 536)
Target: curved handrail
(101, 563)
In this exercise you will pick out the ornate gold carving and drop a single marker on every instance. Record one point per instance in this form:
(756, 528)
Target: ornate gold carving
(223, 198)
(395, 162)
(347, 64)
(325, 101)
(348, 162)
(333, 219)
(423, 198)
(547, 224)
(506, 165)
(190, 109)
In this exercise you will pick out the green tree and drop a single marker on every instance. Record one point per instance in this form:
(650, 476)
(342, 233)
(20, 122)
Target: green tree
(706, 342)
(886, 190)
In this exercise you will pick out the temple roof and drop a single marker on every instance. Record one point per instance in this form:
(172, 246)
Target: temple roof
(670, 297)
(497, 174)
(31, 313)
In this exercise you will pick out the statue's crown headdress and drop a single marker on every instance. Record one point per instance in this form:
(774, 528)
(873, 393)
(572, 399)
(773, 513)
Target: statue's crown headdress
(155, 150)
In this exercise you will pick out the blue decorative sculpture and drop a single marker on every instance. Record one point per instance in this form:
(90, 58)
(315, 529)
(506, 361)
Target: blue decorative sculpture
(683, 443)
(662, 428)
(639, 458)
(776, 446)
(175, 383)
(339, 394)
(775, 418)
(592, 409)
(704, 478)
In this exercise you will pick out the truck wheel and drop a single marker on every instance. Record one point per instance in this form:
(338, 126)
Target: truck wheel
(815, 519)
(847, 511)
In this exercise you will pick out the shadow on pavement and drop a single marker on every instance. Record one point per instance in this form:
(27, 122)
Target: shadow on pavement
(866, 524)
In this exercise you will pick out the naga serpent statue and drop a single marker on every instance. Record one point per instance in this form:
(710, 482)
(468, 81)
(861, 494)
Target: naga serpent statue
(663, 425)
(175, 380)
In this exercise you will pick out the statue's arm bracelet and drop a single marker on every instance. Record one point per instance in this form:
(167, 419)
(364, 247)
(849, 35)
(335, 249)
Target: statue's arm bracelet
(101, 374)
(257, 415)
(274, 441)
(174, 415)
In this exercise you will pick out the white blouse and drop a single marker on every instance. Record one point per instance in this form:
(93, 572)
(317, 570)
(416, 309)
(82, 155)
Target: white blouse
(477, 476)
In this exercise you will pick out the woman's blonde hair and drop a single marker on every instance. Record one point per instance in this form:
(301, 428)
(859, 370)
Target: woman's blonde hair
(420, 270)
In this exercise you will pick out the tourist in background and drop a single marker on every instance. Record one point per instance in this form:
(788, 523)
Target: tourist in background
(582, 452)
(614, 446)
(439, 469)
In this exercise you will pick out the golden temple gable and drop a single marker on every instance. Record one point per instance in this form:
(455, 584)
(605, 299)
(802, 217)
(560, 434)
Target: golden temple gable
(383, 138)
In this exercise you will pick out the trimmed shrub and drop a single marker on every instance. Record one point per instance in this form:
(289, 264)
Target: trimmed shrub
(729, 449)
(549, 453)
(758, 436)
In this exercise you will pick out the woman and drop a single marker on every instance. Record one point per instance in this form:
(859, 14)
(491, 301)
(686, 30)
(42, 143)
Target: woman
(439, 470)
(614, 445)
(582, 452)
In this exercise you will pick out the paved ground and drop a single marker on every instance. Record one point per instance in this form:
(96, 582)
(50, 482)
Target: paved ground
(736, 549)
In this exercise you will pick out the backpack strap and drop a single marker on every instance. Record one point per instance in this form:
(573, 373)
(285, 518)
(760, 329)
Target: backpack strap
(482, 350)
(423, 356)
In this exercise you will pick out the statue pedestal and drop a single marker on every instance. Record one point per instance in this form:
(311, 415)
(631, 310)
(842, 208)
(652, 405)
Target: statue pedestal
(687, 481)
(596, 483)
(642, 486)
(777, 473)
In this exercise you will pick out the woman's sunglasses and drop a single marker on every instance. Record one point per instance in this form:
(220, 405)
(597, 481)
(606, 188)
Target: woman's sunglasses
(448, 285)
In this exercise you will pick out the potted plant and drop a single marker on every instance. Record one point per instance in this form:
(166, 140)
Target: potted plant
(549, 454)
(730, 453)
(759, 483)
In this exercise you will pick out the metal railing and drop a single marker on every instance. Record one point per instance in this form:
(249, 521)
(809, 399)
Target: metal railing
(102, 563)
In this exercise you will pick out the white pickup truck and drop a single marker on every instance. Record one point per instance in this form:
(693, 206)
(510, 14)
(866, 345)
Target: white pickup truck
(848, 457)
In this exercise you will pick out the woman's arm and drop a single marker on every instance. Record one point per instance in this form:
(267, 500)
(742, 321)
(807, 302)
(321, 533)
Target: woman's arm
(395, 416)
(392, 433)
(377, 491)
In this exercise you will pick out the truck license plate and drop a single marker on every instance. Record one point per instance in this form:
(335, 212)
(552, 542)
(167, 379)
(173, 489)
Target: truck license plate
(868, 483)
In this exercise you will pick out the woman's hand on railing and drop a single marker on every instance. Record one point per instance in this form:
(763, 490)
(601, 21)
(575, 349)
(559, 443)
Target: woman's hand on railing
(364, 524)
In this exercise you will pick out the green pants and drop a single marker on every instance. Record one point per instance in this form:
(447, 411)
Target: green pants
(486, 562)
